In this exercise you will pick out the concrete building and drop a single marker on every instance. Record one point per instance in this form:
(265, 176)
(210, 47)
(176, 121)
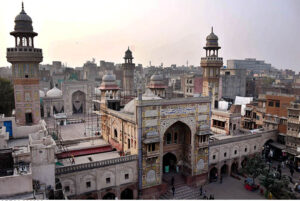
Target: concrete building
(251, 65)
(191, 85)
(232, 83)
(25, 59)
(211, 65)
(226, 121)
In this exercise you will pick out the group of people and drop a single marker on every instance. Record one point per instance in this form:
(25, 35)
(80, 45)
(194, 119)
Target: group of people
(203, 193)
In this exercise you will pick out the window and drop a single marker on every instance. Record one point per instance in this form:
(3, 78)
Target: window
(116, 133)
(246, 149)
(271, 103)
(235, 152)
(67, 188)
(126, 176)
(88, 184)
(225, 154)
(254, 147)
(169, 138)
(214, 157)
(277, 104)
(175, 138)
(151, 147)
(227, 73)
(128, 143)
(108, 180)
(234, 126)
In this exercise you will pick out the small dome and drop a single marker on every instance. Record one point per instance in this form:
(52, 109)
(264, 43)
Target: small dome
(23, 22)
(42, 94)
(212, 39)
(109, 77)
(156, 77)
(128, 54)
(54, 93)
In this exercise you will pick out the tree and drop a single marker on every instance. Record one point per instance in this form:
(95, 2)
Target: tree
(254, 166)
(7, 101)
(278, 187)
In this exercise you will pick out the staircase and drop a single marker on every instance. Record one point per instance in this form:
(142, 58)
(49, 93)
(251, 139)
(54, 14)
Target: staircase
(182, 193)
(182, 190)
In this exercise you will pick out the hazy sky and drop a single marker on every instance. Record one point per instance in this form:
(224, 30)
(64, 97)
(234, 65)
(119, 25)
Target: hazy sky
(168, 31)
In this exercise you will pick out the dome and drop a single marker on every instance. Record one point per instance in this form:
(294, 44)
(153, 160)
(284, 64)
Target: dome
(128, 54)
(148, 95)
(109, 77)
(54, 93)
(212, 39)
(23, 22)
(42, 94)
(156, 77)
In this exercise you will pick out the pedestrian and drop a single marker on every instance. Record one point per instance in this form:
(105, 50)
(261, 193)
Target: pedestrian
(213, 197)
(204, 194)
(221, 179)
(201, 188)
(172, 181)
(292, 171)
(210, 197)
(173, 190)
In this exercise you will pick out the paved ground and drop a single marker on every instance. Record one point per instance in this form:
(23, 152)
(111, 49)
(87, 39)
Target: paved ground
(230, 189)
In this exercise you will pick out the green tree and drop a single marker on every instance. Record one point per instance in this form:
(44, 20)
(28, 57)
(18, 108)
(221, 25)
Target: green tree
(7, 101)
(269, 178)
(254, 166)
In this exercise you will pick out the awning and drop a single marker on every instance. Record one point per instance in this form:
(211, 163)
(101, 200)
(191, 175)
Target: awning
(151, 140)
(277, 145)
(206, 132)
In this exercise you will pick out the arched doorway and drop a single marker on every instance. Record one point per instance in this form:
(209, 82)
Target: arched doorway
(127, 194)
(177, 146)
(78, 102)
(244, 162)
(109, 196)
(169, 163)
(224, 170)
(234, 167)
(213, 174)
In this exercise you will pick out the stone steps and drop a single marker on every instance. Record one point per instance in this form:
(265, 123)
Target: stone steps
(182, 192)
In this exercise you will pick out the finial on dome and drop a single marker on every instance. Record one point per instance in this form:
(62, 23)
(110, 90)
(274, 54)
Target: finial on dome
(212, 29)
(22, 5)
(128, 48)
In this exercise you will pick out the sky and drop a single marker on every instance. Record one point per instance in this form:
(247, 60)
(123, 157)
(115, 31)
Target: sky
(160, 31)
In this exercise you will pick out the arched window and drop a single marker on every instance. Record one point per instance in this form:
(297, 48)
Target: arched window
(116, 133)
(169, 138)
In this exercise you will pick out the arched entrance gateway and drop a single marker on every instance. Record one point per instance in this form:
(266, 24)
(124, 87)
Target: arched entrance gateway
(224, 170)
(176, 149)
(109, 196)
(127, 194)
(234, 167)
(78, 102)
(213, 174)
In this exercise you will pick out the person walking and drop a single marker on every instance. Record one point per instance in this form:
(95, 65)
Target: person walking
(204, 194)
(173, 190)
(291, 171)
(172, 181)
(201, 189)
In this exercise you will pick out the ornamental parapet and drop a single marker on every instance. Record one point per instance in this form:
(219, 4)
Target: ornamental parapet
(93, 165)
(24, 54)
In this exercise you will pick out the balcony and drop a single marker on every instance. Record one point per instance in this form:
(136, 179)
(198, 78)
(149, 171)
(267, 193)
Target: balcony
(24, 54)
(293, 120)
(152, 153)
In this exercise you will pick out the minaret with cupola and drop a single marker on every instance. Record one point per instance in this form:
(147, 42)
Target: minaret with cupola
(211, 65)
(25, 59)
(128, 77)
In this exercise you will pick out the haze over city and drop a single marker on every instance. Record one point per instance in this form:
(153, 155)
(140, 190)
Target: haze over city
(168, 32)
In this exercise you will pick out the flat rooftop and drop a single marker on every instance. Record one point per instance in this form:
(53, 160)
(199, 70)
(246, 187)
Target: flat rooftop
(90, 158)
(86, 144)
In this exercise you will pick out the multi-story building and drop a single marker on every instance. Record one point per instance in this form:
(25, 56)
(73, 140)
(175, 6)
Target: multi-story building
(293, 129)
(232, 83)
(192, 84)
(251, 65)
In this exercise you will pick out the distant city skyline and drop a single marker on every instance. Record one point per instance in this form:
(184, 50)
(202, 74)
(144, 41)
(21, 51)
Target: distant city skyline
(168, 32)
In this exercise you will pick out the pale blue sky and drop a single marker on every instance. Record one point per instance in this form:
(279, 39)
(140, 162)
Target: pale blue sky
(168, 31)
